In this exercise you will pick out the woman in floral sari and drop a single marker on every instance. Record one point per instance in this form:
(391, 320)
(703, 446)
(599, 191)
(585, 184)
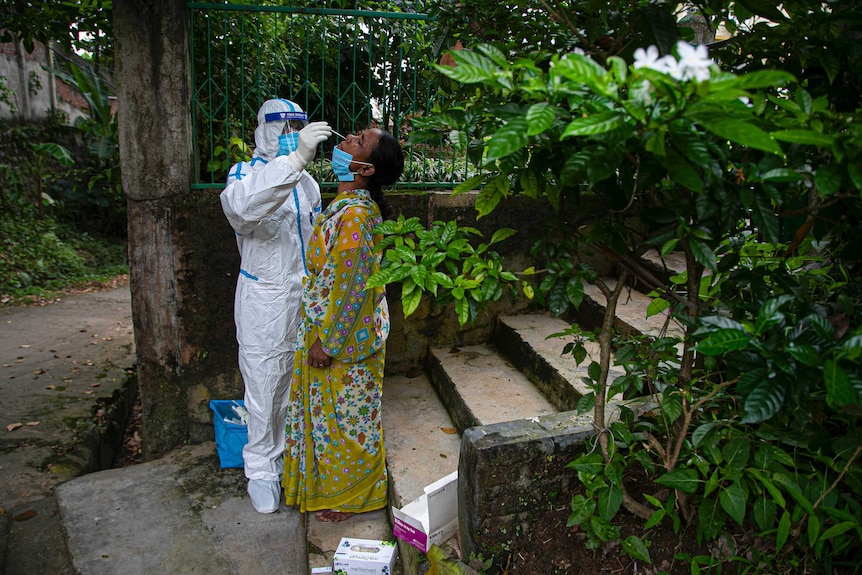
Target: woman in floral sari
(335, 460)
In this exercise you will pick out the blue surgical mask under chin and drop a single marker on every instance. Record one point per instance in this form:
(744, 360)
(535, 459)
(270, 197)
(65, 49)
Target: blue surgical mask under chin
(341, 165)
(287, 143)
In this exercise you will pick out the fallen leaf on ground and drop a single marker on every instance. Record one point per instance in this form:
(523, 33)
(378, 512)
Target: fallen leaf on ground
(32, 423)
(448, 430)
(52, 386)
(24, 345)
(29, 514)
(39, 372)
(14, 426)
(95, 384)
(7, 365)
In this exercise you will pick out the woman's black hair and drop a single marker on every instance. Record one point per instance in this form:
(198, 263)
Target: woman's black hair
(388, 160)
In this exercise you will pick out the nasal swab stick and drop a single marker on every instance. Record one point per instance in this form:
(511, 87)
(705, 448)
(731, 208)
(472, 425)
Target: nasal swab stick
(339, 135)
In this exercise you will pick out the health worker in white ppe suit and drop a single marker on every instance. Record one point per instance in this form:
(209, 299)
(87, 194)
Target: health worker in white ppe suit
(271, 203)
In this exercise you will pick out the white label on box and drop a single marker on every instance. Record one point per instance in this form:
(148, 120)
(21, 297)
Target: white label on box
(364, 557)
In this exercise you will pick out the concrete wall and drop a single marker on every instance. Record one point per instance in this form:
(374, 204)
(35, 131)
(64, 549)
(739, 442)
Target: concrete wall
(206, 266)
(509, 472)
(37, 92)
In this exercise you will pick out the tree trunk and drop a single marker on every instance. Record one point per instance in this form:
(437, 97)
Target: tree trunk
(155, 154)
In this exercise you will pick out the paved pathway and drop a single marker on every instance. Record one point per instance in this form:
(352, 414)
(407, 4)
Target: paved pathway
(61, 362)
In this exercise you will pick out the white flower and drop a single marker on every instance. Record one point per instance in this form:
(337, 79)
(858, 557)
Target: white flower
(671, 67)
(646, 58)
(694, 62)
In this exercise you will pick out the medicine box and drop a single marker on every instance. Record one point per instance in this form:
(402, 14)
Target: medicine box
(364, 557)
(431, 519)
(230, 438)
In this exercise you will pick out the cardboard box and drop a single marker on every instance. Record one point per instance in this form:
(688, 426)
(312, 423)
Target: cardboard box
(431, 519)
(230, 438)
(364, 557)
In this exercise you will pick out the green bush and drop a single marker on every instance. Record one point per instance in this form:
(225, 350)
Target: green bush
(38, 257)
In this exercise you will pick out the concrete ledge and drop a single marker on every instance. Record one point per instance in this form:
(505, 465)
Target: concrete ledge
(509, 472)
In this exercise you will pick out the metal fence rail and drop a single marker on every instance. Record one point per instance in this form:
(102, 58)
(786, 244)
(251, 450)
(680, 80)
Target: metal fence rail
(354, 69)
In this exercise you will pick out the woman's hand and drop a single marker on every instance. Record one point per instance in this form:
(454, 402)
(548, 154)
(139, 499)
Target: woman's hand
(317, 357)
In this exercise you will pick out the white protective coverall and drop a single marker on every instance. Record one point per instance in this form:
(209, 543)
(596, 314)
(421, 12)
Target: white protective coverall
(271, 203)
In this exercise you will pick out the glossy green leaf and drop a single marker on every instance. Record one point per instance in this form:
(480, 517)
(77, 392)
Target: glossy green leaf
(468, 185)
(814, 527)
(540, 117)
(710, 518)
(462, 309)
(655, 519)
(529, 183)
(411, 301)
(839, 390)
(609, 500)
(491, 195)
(701, 432)
(787, 483)
(763, 79)
(783, 531)
(636, 548)
(656, 306)
(764, 401)
(765, 217)
(591, 464)
(582, 509)
(806, 354)
(502, 234)
(703, 254)
(465, 73)
(804, 137)
(599, 123)
(838, 529)
(671, 405)
(575, 292)
(764, 511)
(739, 132)
(578, 68)
(827, 180)
(736, 452)
(723, 341)
(781, 175)
(508, 139)
(685, 480)
(733, 501)
(419, 274)
(681, 171)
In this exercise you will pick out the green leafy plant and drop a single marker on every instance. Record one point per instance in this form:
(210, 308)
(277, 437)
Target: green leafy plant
(743, 175)
(442, 261)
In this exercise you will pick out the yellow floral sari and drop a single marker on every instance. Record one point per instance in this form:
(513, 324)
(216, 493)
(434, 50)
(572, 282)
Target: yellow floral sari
(334, 453)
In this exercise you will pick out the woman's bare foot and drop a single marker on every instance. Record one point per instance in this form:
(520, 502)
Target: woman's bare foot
(333, 516)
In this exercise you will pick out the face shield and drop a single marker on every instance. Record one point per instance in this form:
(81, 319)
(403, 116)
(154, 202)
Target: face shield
(279, 121)
(294, 121)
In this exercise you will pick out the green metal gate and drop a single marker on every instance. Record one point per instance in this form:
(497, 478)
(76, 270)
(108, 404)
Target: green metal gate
(354, 69)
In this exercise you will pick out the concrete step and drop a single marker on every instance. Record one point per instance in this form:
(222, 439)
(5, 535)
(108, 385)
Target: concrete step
(422, 445)
(526, 341)
(631, 313)
(480, 387)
